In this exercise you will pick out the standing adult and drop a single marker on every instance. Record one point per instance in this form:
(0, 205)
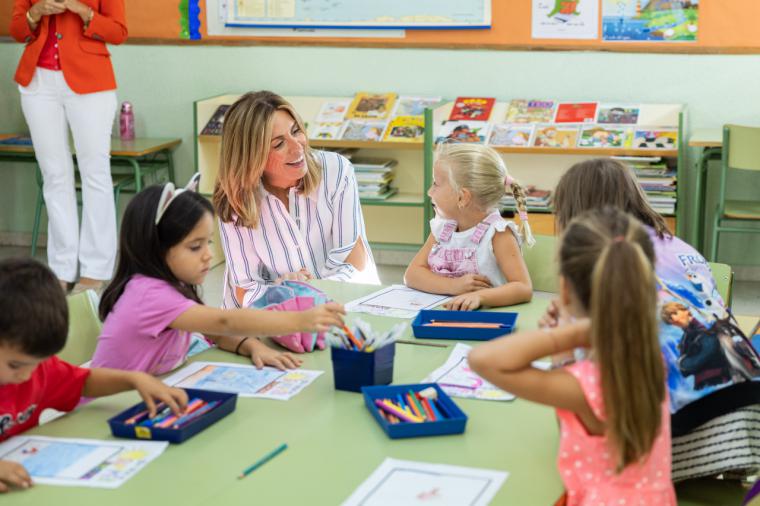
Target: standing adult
(66, 81)
(286, 211)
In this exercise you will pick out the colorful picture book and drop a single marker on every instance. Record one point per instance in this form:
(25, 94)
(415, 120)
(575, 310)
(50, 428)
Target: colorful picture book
(555, 136)
(371, 105)
(584, 112)
(530, 111)
(215, 124)
(472, 109)
(333, 112)
(513, 135)
(618, 114)
(325, 131)
(355, 130)
(415, 106)
(406, 129)
(656, 139)
(596, 136)
(463, 131)
(650, 20)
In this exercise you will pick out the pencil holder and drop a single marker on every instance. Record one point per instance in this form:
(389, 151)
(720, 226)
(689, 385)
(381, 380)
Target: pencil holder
(225, 405)
(354, 369)
(465, 325)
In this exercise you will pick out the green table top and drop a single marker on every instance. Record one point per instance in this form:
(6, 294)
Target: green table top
(140, 146)
(334, 444)
(706, 138)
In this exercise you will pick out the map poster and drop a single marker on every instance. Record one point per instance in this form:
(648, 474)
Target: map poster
(650, 20)
(565, 19)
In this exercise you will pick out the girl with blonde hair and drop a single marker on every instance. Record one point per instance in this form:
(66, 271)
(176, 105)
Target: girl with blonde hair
(472, 252)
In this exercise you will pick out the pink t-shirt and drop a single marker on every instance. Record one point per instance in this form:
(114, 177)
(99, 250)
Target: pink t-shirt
(587, 467)
(136, 334)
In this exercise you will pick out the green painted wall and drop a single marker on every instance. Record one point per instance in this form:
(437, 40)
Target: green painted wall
(163, 81)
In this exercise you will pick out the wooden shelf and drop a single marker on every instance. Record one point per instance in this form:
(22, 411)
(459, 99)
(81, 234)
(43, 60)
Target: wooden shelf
(588, 151)
(323, 143)
(399, 199)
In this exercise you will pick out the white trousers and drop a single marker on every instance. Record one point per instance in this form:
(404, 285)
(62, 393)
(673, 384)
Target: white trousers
(50, 108)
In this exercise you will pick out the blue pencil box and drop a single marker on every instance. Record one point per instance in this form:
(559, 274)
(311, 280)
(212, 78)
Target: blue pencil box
(353, 370)
(506, 320)
(453, 424)
(224, 408)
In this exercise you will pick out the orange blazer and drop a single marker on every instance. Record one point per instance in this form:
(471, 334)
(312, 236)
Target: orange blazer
(85, 60)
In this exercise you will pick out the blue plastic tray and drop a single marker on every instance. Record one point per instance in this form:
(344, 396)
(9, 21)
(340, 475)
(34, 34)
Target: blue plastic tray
(354, 369)
(227, 406)
(508, 320)
(455, 424)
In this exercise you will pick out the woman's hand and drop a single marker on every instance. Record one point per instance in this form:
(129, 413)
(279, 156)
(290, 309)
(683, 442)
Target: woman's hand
(46, 8)
(301, 275)
(466, 302)
(13, 474)
(78, 8)
(321, 318)
(470, 283)
(262, 355)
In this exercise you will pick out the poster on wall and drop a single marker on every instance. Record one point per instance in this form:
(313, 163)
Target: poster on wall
(565, 19)
(650, 20)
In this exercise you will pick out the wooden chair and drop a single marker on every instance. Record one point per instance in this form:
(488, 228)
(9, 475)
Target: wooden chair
(724, 281)
(84, 328)
(541, 260)
(741, 151)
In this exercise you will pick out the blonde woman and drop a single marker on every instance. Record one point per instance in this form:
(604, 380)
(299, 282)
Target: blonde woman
(286, 211)
(472, 252)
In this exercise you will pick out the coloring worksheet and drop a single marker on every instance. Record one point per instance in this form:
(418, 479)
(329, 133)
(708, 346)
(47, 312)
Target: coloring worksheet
(396, 301)
(80, 462)
(404, 482)
(244, 380)
(457, 379)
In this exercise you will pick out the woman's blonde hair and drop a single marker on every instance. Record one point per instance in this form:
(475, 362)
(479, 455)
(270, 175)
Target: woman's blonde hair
(607, 258)
(482, 171)
(593, 184)
(246, 138)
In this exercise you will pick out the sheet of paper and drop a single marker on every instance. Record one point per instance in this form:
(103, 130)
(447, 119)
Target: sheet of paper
(244, 380)
(565, 19)
(457, 379)
(404, 482)
(80, 462)
(396, 301)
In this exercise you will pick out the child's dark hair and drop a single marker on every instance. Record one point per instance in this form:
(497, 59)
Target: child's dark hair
(599, 182)
(143, 244)
(34, 316)
(607, 258)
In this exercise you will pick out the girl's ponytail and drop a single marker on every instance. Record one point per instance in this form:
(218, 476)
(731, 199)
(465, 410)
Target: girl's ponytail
(513, 187)
(621, 298)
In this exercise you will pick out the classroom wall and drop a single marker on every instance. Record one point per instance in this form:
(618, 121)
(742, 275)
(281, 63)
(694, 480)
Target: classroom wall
(163, 81)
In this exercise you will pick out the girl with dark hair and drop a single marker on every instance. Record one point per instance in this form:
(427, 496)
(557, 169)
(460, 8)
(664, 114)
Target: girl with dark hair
(152, 305)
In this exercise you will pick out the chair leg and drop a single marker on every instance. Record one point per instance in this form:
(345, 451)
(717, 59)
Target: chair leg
(37, 219)
(714, 242)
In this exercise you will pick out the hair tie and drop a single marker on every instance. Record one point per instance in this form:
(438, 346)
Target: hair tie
(169, 194)
(508, 181)
(523, 215)
(618, 238)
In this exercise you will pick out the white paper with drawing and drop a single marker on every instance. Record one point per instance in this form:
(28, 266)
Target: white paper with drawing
(80, 462)
(396, 301)
(244, 380)
(408, 483)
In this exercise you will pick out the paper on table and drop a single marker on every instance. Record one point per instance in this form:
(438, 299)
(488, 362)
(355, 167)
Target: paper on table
(80, 462)
(457, 379)
(244, 380)
(396, 301)
(404, 482)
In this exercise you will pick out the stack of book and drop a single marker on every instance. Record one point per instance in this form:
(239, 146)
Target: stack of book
(658, 181)
(536, 199)
(374, 177)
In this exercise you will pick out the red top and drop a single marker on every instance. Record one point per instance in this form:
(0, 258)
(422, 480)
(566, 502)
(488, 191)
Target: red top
(54, 384)
(49, 55)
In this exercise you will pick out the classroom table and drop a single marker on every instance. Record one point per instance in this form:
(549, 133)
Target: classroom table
(710, 142)
(334, 443)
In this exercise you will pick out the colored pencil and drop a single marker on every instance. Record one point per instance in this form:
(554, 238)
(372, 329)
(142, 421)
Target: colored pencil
(263, 460)
(465, 325)
(421, 343)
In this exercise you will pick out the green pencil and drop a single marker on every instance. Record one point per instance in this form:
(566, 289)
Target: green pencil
(263, 460)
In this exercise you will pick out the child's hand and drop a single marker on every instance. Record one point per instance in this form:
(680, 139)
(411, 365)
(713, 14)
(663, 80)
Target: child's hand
(550, 319)
(13, 474)
(470, 283)
(151, 389)
(301, 275)
(466, 302)
(321, 318)
(262, 355)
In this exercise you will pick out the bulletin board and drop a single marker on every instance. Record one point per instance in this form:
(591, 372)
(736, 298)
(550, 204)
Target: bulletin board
(724, 27)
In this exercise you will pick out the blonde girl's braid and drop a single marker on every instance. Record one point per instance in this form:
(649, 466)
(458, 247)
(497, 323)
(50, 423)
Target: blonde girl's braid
(512, 186)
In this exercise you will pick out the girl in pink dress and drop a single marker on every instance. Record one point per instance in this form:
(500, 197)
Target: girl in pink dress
(613, 407)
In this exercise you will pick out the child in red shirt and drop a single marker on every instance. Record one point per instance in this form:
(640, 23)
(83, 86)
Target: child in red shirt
(33, 327)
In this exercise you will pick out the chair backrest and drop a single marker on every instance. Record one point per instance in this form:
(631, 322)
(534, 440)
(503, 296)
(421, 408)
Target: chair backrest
(724, 280)
(743, 143)
(541, 261)
(84, 328)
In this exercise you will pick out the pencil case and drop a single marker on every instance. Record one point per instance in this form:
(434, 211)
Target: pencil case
(452, 421)
(354, 369)
(225, 406)
(421, 327)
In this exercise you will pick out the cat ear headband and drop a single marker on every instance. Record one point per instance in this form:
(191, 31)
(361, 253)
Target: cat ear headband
(170, 193)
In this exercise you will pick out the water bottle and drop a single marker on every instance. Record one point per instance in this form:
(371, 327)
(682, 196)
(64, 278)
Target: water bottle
(126, 122)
